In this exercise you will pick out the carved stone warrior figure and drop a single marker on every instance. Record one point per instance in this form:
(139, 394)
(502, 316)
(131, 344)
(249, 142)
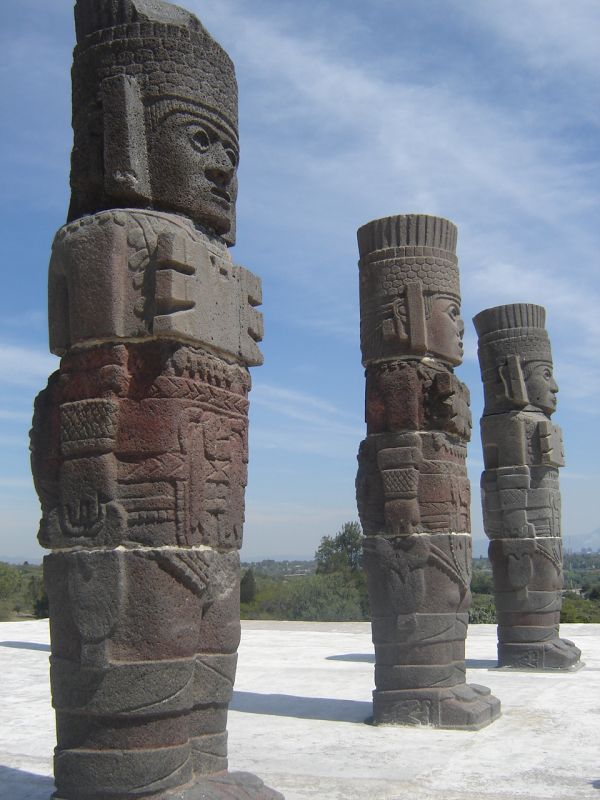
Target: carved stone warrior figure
(139, 442)
(412, 487)
(522, 452)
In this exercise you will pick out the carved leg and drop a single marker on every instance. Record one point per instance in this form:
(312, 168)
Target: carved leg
(528, 582)
(418, 588)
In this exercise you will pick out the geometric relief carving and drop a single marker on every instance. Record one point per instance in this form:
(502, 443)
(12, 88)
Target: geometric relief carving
(180, 480)
(412, 489)
(520, 491)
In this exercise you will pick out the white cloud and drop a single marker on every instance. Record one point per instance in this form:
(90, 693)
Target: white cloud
(305, 408)
(25, 366)
(556, 37)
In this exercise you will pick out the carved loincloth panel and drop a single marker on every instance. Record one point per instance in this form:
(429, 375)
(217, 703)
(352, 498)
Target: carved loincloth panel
(421, 573)
(532, 564)
(136, 467)
(190, 600)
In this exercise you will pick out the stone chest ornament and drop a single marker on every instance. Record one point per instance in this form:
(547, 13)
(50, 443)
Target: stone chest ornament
(520, 494)
(140, 441)
(412, 488)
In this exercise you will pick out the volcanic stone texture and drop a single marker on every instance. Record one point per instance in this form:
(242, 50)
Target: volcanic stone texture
(520, 491)
(412, 488)
(140, 440)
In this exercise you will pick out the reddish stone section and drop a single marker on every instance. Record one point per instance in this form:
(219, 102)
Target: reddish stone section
(142, 444)
(412, 489)
(520, 492)
(140, 440)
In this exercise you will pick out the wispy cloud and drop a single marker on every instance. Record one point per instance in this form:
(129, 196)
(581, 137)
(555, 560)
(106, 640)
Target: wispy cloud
(305, 408)
(299, 422)
(25, 366)
(428, 139)
(555, 37)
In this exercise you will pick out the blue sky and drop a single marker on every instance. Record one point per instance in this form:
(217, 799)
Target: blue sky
(486, 113)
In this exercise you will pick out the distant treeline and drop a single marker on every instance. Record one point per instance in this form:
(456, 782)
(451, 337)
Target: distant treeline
(331, 587)
(22, 593)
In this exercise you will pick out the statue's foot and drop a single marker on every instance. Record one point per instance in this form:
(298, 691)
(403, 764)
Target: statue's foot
(470, 707)
(462, 707)
(226, 786)
(555, 654)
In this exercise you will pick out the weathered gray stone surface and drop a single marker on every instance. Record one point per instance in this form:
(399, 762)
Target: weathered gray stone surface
(520, 494)
(412, 488)
(140, 441)
(142, 274)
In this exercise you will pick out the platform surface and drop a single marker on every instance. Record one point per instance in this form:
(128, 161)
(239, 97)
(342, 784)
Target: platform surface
(302, 693)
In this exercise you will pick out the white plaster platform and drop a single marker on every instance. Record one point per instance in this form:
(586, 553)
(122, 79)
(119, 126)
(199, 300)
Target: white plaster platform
(296, 720)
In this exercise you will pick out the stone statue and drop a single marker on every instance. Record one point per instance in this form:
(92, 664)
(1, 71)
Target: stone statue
(520, 495)
(412, 488)
(140, 441)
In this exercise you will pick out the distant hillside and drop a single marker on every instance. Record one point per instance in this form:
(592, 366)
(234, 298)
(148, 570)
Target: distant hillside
(584, 541)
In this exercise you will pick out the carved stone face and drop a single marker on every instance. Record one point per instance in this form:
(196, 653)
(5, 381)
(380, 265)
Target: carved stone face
(193, 163)
(541, 386)
(445, 329)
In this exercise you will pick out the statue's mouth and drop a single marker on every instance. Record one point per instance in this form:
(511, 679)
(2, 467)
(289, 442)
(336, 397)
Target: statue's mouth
(221, 194)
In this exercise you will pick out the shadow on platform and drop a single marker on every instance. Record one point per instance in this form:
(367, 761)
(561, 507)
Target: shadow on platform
(27, 646)
(369, 658)
(287, 705)
(17, 784)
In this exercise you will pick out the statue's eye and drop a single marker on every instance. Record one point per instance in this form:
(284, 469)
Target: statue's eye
(232, 155)
(547, 374)
(199, 138)
(453, 311)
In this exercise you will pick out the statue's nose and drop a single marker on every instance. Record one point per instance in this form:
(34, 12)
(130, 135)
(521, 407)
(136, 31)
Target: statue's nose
(220, 169)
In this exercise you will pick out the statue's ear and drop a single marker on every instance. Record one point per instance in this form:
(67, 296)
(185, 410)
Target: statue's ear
(513, 380)
(417, 326)
(126, 175)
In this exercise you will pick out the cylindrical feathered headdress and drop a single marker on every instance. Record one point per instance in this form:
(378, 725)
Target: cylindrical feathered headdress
(134, 61)
(405, 261)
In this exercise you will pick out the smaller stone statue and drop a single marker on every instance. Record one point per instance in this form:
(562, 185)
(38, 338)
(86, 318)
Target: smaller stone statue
(520, 495)
(412, 488)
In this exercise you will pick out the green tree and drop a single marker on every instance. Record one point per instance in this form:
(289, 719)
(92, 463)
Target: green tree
(10, 581)
(248, 586)
(483, 610)
(482, 582)
(324, 597)
(342, 551)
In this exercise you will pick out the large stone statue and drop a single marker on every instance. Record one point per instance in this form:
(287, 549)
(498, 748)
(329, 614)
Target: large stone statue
(412, 487)
(522, 452)
(139, 442)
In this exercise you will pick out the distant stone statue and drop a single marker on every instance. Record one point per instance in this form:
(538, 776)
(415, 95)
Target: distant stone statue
(412, 488)
(140, 440)
(520, 494)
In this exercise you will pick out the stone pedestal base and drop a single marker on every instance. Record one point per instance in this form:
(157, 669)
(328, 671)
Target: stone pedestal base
(223, 786)
(558, 654)
(464, 707)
